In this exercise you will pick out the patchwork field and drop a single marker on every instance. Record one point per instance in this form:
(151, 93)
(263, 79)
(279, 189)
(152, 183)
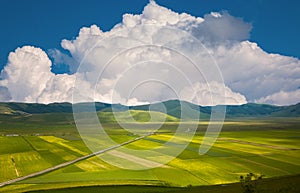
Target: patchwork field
(267, 147)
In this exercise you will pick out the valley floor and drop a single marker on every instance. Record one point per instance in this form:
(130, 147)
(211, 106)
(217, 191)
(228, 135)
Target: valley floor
(267, 147)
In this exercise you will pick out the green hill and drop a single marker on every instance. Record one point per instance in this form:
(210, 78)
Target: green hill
(172, 108)
(6, 110)
(135, 116)
(247, 110)
(36, 108)
(175, 108)
(288, 111)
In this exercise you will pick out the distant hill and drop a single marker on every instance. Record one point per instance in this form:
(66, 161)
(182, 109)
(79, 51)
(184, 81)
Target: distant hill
(36, 108)
(172, 107)
(288, 111)
(247, 110)
(135, 116)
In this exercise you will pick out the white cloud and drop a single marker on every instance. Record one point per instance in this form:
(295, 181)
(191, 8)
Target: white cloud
(26, 74)
(4, 94)
(157, 55)
(220, 27)
(60, 58)
(249, 70)
(58, 89)
(200, 93)
(28, 78)
(281, 98)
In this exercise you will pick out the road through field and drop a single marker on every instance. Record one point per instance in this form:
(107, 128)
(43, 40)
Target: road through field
(72, 161)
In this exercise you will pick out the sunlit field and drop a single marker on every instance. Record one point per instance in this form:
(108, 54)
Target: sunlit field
(267, 146)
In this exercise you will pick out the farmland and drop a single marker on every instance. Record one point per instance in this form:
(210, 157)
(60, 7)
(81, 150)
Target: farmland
(268, 146)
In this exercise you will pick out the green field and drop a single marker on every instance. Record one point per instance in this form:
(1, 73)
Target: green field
(267, 146)
(288, 184)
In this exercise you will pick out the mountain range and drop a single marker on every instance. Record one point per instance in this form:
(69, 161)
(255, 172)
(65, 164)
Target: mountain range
(172, 108)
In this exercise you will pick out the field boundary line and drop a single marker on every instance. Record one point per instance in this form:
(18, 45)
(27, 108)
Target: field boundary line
(256, 144)
(72, 161)
(264, 165)
(23, 137)
(15, 167)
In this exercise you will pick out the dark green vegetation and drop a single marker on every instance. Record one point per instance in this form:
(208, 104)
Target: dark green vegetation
(287, 184)
(173, 108)
(265, 145)
(249, 183)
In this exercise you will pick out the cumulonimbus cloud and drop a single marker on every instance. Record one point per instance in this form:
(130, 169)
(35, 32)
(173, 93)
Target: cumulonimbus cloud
(249, 73)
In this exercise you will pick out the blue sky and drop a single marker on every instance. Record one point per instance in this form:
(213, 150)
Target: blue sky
(276, 24)
(254, 45)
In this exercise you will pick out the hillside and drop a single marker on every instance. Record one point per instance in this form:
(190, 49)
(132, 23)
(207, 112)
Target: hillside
(247, 110)
(172, 108)
(36, 108)
(135, 115)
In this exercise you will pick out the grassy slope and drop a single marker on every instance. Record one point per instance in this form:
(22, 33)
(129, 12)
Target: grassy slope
(135, 116)
(64, 122)
(287, 184)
